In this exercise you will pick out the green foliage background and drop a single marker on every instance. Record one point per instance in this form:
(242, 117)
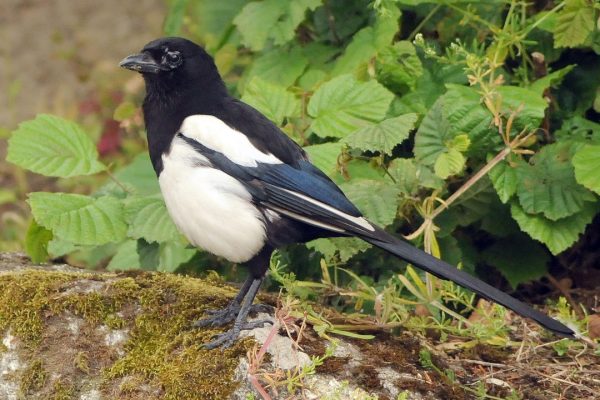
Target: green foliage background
(401, 102)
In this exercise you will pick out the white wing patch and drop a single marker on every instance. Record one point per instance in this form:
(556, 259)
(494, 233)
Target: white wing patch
(215, 134)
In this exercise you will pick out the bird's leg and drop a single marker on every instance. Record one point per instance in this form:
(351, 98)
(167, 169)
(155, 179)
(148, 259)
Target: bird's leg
(223, 316)
(227, 338)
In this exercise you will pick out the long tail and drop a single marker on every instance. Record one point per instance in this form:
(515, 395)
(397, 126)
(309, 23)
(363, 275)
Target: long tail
(444, 270)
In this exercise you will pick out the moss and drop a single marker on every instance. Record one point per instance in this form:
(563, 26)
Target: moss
(33, 377)
(62, 390)
(163, 352)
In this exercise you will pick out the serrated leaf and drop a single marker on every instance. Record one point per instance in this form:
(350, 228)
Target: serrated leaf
(324, 156)
(344, 105)
(345, 248)
(79, 219)
(558, 235)
(53, 146)
(271, 19)
(148, 219)
(432, 135)
(505, 178)
(36, 242)
(213, 20)
(449, 163)
(383, 136)
(405, 174)
(172, 254)
(587, 167)
(580, 130)
(378, 200)
(548, 184)
(126, 258)
(525, 261)
(552, 79)
(398, 67)
(533, 106)
(138, 177)
(273, 101)
(574, 23)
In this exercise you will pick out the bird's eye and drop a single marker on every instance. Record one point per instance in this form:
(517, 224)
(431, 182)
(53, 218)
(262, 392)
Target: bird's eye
(173, 58)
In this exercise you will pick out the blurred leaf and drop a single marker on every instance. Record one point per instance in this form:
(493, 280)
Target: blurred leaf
(53, 146)
(548, 185)
(587, 167)
(174, 20)
(271, 19)
(574, 23)
(138, 177)
(79, 219)
(398, 67)
(126, 257)
(279, 66)
(7, 196)
(148, 219)
(558, 235)
(36, 242)
(344, 105)
(272, 100)
(383, 136)
(172, 254)
(213, 20)
(378, 200)
(525, 261)
(124, 111)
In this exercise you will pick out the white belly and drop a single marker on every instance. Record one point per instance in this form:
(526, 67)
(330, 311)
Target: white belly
(212, 209)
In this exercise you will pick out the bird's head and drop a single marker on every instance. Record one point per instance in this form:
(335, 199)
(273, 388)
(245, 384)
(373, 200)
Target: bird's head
(173, 62)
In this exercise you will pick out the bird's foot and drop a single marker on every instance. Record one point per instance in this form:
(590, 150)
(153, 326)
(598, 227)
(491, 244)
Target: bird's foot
(223, 316)
(229, 337)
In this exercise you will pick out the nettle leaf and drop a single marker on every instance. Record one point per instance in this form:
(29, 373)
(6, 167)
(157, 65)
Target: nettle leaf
(324, 156)
(558, 235)
(548, 184)
(526, 260)
(272, 100)
(574, 23)
(148, 219)
(343, 105)
(53, 146)
(367, 42)
(79, 219)
(383, 136)
(433, 133)
(587, 167)
(376, 199)
(505, 178)
(279, 66)
(271, 19)
(398, 67)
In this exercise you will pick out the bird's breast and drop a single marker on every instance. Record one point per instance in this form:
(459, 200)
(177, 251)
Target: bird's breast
(212, 209)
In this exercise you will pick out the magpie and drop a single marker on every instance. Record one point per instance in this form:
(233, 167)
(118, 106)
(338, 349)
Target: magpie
(236, 186)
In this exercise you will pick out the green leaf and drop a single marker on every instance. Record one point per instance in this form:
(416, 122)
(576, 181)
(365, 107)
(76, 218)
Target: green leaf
(378, 200)
(432, 135)
(213, 20)
(272, 100)
(505, 178)
(36, 242)
(175, 16)
(79, 219)
(172, 254)
(124, 111)
(383, 136)
(271, 19)
(449, 163)
(148, 219)
(398, 67)
(345, 248)
(344, 105)
(366, 42)
(587, 167)
(552, 79)
(53, 146)
(126, 257)
(525, 261)
(279, 66)
(579, 130)
(575, 22)
(548, 184)
(138, 177)
(405, 174)
(558, 235)
(533, 106)
(324, 156)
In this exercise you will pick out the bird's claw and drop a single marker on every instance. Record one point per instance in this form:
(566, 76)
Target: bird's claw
(220, 317)
(226, 339)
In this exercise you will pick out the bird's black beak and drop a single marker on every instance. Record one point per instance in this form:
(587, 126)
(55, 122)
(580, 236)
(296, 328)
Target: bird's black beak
(142, 62)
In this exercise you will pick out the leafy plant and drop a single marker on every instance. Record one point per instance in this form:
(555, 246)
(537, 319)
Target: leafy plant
(491, 136)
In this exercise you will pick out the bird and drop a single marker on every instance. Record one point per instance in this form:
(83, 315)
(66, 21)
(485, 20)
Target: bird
(238, 187)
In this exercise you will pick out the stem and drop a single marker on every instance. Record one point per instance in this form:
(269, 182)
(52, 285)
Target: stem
(423, 22)
(117, 182)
